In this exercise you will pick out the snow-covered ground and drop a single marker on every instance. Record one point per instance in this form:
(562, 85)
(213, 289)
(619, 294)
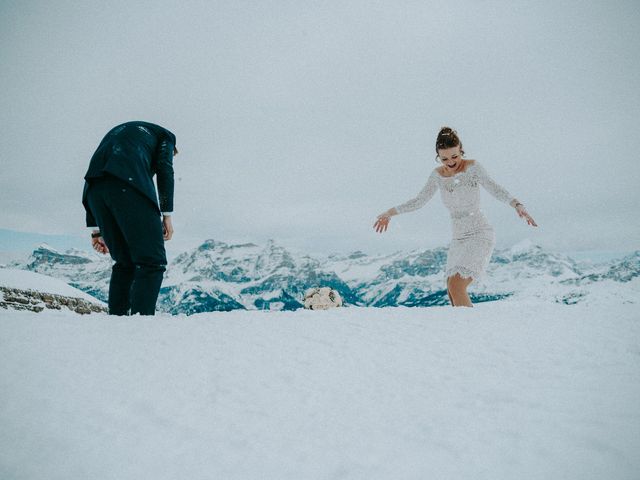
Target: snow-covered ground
(505, 390)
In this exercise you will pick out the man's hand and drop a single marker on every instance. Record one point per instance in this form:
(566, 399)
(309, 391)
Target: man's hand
(98, 244)
(167, 227)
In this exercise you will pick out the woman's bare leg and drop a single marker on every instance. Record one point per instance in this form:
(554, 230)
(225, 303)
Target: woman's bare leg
(449, 293)
(457, 289)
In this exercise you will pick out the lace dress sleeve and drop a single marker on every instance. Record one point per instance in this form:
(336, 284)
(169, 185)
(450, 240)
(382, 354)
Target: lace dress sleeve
(422, 198)
(492, 187)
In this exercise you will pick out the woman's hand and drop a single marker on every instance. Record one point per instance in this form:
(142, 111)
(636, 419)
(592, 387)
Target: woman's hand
(98, 245)
(522, 213)
(382, 223)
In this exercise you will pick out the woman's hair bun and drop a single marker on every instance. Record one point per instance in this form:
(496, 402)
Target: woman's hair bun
(448, 138)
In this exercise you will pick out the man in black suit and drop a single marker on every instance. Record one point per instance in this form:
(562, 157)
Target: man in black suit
(129, 220)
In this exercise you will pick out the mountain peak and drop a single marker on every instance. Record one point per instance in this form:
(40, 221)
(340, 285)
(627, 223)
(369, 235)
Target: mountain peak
(524, 246)
(45, 256)
(46, 248)
(211, 244)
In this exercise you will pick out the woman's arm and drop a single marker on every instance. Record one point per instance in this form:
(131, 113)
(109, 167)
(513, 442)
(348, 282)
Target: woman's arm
(427, 192)
(420, 200)
(501, 193)
(491, 186)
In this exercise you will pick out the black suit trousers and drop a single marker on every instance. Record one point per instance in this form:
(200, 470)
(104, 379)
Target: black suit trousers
(132, 229)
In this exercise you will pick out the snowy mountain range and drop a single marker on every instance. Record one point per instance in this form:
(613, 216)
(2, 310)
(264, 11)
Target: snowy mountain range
(217, 276)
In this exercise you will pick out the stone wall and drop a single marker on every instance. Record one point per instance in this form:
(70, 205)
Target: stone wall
(32, 300)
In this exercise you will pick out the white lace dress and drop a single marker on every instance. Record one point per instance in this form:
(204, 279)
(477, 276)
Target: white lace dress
(473, 238)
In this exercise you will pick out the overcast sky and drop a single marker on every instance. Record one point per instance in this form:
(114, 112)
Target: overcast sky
(302, 120)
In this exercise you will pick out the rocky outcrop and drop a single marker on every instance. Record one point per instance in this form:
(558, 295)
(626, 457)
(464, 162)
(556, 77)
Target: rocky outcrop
(32, 300)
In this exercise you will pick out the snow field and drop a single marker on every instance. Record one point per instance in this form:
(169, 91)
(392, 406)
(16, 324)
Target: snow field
(504, 390)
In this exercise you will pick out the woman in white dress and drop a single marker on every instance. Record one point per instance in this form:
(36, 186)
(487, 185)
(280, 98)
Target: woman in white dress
(473, 239)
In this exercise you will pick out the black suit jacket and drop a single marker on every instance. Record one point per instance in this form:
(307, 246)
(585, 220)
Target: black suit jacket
(134, 152)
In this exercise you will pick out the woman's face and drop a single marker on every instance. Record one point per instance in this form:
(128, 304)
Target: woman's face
(450, 157)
